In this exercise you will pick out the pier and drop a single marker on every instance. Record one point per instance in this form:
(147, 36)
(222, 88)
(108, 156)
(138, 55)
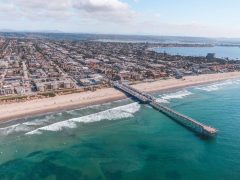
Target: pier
(184, 120)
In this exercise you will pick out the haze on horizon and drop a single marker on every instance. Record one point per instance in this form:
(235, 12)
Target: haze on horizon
(215, 18)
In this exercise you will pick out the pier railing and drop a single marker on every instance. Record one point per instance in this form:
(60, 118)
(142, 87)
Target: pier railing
(178, 117)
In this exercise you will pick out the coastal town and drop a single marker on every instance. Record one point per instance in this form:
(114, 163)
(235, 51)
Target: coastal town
(30, 67)
(119, 90)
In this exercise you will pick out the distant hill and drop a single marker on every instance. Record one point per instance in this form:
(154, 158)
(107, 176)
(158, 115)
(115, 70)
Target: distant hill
(229, 40)
(58, 35)
(27, 31)
(7, 30)
(46, 31)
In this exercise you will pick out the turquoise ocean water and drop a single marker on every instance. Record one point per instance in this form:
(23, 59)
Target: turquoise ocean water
(220, 51)
(127, 140)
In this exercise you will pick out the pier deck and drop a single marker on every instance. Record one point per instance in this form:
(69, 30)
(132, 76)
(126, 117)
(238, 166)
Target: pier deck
(178, 117)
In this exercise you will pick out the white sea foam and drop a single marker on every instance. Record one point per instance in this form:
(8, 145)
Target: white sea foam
(75, 112)
(54, 127)
(177, 95)
(14, 128)
(218, 86)
(160, 100)
(40, 121)
(24, 127)
(36, 123)
(111, 114)
(209, 88)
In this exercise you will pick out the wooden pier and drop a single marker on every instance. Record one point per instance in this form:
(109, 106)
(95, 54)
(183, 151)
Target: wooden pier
(178, 117)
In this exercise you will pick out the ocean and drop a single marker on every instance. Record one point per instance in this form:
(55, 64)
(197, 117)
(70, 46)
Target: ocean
(128, 140)
(232, 53)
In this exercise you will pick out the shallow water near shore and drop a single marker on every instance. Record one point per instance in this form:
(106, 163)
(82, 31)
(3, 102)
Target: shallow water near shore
(128, 140)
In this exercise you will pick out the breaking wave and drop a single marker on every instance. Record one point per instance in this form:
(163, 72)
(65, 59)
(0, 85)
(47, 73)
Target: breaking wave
(39, 122)
(14, 128)
(121, 112)
(177, 95)
(26, 126)
(218, 86)
(164, 101)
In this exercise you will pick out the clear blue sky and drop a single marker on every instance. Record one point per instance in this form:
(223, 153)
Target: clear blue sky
(210, 18)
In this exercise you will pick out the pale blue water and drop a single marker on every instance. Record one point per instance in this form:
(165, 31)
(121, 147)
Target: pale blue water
(126, 140)
(220, 51)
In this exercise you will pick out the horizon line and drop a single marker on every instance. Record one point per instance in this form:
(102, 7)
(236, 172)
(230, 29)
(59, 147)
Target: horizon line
(100, 33)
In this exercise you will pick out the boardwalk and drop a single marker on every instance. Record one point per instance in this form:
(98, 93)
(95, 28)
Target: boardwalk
(178, 117)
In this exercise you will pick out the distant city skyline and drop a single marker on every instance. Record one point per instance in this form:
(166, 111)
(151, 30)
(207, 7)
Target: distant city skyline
(215, 18)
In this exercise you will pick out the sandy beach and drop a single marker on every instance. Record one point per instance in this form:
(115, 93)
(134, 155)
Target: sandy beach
(19, 110)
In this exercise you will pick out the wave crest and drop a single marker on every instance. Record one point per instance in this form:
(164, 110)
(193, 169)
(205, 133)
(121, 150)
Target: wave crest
(121, 112)
(177, 95)
(218, 86)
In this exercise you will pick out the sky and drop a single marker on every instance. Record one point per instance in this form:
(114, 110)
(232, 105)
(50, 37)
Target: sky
(202, 18)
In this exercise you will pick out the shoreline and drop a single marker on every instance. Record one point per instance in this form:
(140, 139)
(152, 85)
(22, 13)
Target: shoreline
(21, 110)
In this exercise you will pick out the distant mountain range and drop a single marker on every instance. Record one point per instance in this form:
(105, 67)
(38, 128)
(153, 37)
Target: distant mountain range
(39, 31)
(7, 30)
(59, 35)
